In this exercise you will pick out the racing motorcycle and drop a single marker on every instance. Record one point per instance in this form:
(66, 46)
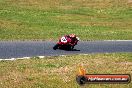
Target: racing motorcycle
(66, 43)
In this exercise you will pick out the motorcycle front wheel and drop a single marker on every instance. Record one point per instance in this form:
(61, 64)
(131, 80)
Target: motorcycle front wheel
(56, 46)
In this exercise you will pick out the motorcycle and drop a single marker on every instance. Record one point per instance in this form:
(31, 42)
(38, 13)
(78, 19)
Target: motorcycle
(66, 43)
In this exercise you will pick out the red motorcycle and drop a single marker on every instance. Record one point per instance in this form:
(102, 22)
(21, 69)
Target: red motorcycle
(66, 43)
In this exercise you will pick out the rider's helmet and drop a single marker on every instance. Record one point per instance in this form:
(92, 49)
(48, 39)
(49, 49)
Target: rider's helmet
(72, 35)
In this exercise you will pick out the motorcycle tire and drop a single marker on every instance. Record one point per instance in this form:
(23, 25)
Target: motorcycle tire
(56, 47)
(72, 47)
(68, 48)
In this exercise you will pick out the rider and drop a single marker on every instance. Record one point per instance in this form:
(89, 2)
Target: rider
(73, 39)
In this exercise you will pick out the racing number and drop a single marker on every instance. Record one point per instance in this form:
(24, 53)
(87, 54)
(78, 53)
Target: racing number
(63, 39)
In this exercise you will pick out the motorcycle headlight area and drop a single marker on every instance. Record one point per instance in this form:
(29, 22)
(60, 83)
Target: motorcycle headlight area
(78, 38)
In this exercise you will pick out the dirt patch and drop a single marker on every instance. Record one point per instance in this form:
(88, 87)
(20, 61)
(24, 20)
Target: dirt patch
(129, 1)
(9, 24)
(125, 63)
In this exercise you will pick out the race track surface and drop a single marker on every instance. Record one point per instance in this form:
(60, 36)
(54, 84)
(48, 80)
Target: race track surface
(18, 49)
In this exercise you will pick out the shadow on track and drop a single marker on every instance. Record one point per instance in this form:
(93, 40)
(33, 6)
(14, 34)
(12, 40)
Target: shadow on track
(70, 49)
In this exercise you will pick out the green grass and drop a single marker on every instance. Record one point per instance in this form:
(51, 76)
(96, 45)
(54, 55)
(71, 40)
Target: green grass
(58, 72)
(50, 19)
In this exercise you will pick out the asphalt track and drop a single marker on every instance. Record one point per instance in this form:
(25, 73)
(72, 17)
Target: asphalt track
(19, 49)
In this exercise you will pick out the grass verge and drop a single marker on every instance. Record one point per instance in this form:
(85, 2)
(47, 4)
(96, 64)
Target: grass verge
(49, 19)
(58, 72)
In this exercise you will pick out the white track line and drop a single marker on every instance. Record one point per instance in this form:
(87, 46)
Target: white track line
(41, 56)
